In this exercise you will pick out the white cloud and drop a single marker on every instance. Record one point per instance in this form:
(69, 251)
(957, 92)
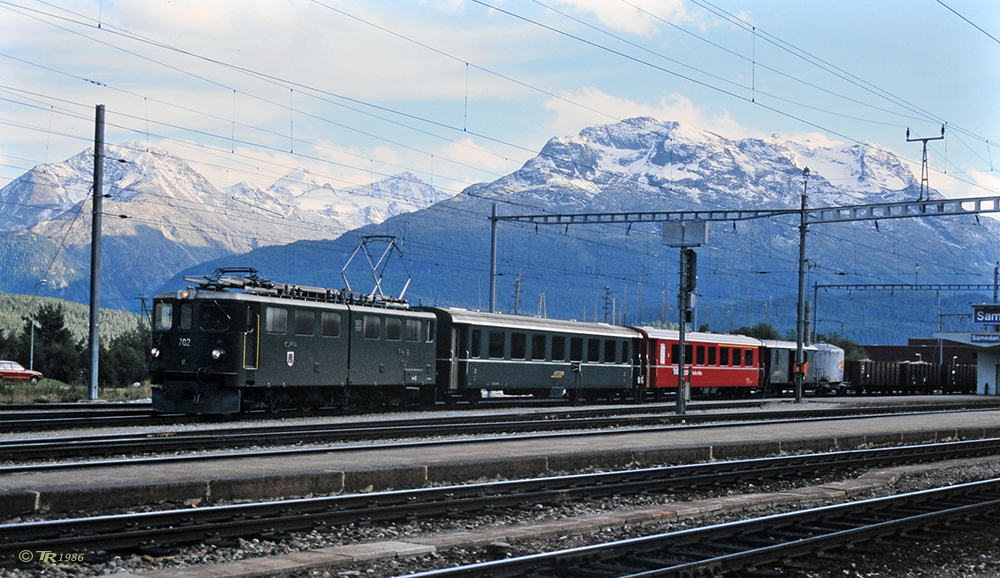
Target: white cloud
(813, 140)
(640, 17)
(570, 119)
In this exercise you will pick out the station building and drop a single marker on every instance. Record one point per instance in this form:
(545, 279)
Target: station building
(986, 342)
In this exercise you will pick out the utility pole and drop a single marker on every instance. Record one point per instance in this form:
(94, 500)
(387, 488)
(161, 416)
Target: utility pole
(996, 277)
(95, 251)
(924, 180)
(493, 260)
(607, 302)
(517, 294)
(144, 313)
(800, 321)
(685, 303)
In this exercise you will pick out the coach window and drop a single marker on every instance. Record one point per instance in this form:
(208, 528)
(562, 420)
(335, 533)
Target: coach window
(413, 330)
(576, 349)
(538, 346)
(372, 326)
(518, 345)
(675, 353)
(477, 343)
(625, 356)
(711, 355)
(748, 359)
(496, 344)
(305, 322)
(558, 348)
(737, 356)
(701, 355)
(331, 323)
(688, 354)
(724, 356)
(663, 353)
(163, 316)
(610, 351)
(593, 350)
(275, 320)
(393, 328)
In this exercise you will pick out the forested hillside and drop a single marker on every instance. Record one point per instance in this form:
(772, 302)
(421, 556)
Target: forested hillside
(14, 308)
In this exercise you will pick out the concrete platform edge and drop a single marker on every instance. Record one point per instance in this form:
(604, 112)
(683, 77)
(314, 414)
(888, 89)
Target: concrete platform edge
(417, 546)
(187, 492)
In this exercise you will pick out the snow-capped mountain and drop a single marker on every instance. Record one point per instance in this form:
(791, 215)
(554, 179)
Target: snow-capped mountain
(162, 216)
(747, 271)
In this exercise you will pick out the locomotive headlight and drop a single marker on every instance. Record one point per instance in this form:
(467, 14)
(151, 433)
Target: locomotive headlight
(187, 293)
(155, 352)
(218, 353)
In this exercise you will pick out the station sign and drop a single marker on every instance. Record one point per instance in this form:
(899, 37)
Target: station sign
(985, 338)
(987, 314)
(685, 233)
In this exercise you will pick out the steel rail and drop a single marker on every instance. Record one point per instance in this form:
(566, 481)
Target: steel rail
(443, 428)
(26, 418)
(163, 528)
(735, 546)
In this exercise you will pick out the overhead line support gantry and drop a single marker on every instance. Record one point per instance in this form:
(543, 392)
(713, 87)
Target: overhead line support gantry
(807, 216)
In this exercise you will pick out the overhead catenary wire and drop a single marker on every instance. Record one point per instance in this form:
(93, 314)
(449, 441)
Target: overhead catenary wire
(296, 111)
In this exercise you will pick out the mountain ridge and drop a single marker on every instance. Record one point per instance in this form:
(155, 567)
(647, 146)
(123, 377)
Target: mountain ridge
(747, 272)
(155, 201)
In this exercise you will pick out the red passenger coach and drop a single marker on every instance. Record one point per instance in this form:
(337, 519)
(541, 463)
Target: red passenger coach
(713, 360)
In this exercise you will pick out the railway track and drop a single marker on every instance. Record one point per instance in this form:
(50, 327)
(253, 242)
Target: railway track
(52, 417)
(757, 543)
(138, 531)
(26, 451)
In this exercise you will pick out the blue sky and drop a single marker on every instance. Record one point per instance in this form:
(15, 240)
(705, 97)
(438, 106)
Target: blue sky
(461, 91)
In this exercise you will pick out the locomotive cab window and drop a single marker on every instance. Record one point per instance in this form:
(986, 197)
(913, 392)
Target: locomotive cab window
(163, 316)
(331, 323)
(213, 317)
(187, 315)
(305, 322)
(276, 320)
(393, 328)
(430, 332)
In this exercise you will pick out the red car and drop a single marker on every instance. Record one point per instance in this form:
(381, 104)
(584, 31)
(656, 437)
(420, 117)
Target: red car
(14, 371)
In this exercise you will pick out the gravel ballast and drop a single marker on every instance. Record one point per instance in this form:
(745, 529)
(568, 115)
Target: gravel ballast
(964, 555)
